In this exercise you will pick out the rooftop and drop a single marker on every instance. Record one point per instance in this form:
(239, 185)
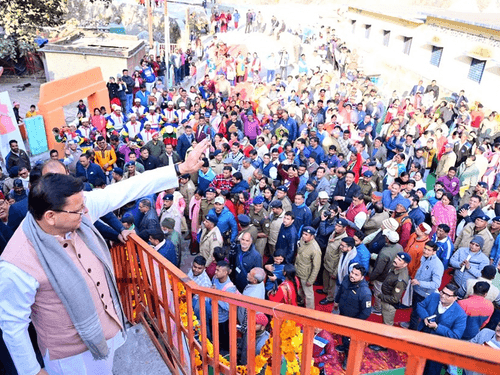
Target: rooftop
(102, 44)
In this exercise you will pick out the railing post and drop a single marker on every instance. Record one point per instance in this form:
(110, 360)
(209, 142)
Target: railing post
(190, 329)
(415, 365)
(203, 323)
(232, 339)
(251, 342)
(356, 351)
(276, 364)
(307, 349)
(215, 334)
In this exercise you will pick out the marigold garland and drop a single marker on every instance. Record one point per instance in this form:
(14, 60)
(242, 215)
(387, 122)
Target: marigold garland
(291, 345)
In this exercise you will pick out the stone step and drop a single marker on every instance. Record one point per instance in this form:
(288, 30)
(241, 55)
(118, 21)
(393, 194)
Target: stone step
(139, 356)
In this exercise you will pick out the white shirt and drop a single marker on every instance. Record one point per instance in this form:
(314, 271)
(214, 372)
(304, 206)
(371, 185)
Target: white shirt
(18, 289)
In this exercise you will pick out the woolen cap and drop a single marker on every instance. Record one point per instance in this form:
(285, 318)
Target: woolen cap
(390, 224)
(323, 195)
(479, 240)
(426, 228)
(259, 199)
(391, 235)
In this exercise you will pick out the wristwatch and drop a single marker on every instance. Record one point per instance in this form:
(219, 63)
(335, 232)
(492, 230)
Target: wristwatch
(176, 167)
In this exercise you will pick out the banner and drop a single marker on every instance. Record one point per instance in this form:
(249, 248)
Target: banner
(37, 137)
(8, 125)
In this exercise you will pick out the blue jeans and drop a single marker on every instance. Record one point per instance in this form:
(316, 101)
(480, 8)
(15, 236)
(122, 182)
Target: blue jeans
(130, 103)
(177, 73)
(414, 318)
(497, 182)
(270, 75)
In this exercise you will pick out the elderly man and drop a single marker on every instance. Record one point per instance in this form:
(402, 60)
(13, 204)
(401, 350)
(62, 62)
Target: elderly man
(468, 263)
(58, 232)
(478, 228)
(307, 264)
(243, 258)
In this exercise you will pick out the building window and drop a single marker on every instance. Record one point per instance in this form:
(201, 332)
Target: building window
(387, 36)
(476, 70)
(367, 31)
(436, 55)
(407, 45)
(353, 23)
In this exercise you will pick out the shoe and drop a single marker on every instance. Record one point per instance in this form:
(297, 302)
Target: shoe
(325, 301)
(321, 291)
(379, 313)
(344, 363)
(405, 325)
(340, 348)
(377, 348)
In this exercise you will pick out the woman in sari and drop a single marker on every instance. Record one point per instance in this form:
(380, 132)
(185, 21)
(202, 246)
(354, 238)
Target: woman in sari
(98, 121)
(243, 203)
(444, 212)
(288, 290)
(194, 214)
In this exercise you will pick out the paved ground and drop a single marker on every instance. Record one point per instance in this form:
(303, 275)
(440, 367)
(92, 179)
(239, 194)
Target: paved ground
(138, 356)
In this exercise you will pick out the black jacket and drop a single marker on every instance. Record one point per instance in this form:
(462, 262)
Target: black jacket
(148, 225)
(355, 300)
(348, 193)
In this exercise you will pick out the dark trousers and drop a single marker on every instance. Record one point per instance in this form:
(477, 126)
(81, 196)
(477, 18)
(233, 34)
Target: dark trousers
(432, 368)
(414, 319)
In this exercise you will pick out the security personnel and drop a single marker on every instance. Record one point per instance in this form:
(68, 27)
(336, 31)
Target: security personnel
(247, 227)
(367, 186)
(276, 219)
(207, 203)
(281, 195)
(392, 289)
(210, 237)
(319, 206)
(331, 261)
(353, 299)
(307, 264)
(287, 237)
(260, 220)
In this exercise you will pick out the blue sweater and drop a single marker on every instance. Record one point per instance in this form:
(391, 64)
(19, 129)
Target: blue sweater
(450, 324)
(287, 240)
(226, 222)
(92, 173)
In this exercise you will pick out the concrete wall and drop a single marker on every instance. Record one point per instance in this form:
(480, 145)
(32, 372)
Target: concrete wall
(62, 65)
(401, 71)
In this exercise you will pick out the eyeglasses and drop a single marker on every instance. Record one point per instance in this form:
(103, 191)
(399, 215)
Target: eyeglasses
(2, 202)
(72, 212)
(447, 295)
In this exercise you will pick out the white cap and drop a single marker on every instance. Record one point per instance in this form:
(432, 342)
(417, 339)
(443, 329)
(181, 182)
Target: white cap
(323, 195)
(182, 104)
(391, 235)
(169, 129)
(219, 199)
(152, 107)
(390, 224)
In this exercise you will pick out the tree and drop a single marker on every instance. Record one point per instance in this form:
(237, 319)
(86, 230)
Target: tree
(22, 21)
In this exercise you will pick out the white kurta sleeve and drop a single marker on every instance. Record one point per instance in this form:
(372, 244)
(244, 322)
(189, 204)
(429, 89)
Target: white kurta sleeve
(17, 295)
(101, 201)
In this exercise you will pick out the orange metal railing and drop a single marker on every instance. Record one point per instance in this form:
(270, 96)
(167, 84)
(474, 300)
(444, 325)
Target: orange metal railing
(150, 287)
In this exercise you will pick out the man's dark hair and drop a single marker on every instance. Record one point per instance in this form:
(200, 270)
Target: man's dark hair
(290, 213)
(360, 268)
(446, 228)
(280, 253)
(146, 203)
(199, 259)
(453, 288)
(99, 182)
(238, 176)
(128, 219)
(481, 288)
(219, 254)
(223, 264)
(11, 142)
(53, 151)
(144, 148)
(432, 244)
(236, 144)
(359, 195)
(50, 193)
(360, 235)
(476, 196)
(227, 168)
(157, 235)
(452, 169)
(350, 172)
(100, 138)
(301, 194)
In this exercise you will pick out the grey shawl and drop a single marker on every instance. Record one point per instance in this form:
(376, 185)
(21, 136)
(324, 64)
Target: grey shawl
(69, 284)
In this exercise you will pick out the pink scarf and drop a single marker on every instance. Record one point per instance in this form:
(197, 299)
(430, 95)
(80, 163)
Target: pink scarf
(194, 214)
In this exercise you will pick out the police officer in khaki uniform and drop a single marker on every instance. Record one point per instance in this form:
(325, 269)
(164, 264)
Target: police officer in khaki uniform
(247, 227)
(276, 219)
(260, 220)
(331, 261)
(210, 237)
(367, 186)
(377, 176)
(281, 195)
(216, 163)
(207, 203)
(392, 290)
(307, 264)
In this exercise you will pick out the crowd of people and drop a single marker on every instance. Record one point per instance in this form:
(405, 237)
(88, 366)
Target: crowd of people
(312, 179)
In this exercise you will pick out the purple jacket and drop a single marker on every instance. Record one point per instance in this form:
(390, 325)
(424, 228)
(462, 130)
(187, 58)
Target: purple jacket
(450, 185)
(251, 129)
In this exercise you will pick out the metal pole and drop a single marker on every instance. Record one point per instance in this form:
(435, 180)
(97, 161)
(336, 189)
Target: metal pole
(150, 23)
(167, 43)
